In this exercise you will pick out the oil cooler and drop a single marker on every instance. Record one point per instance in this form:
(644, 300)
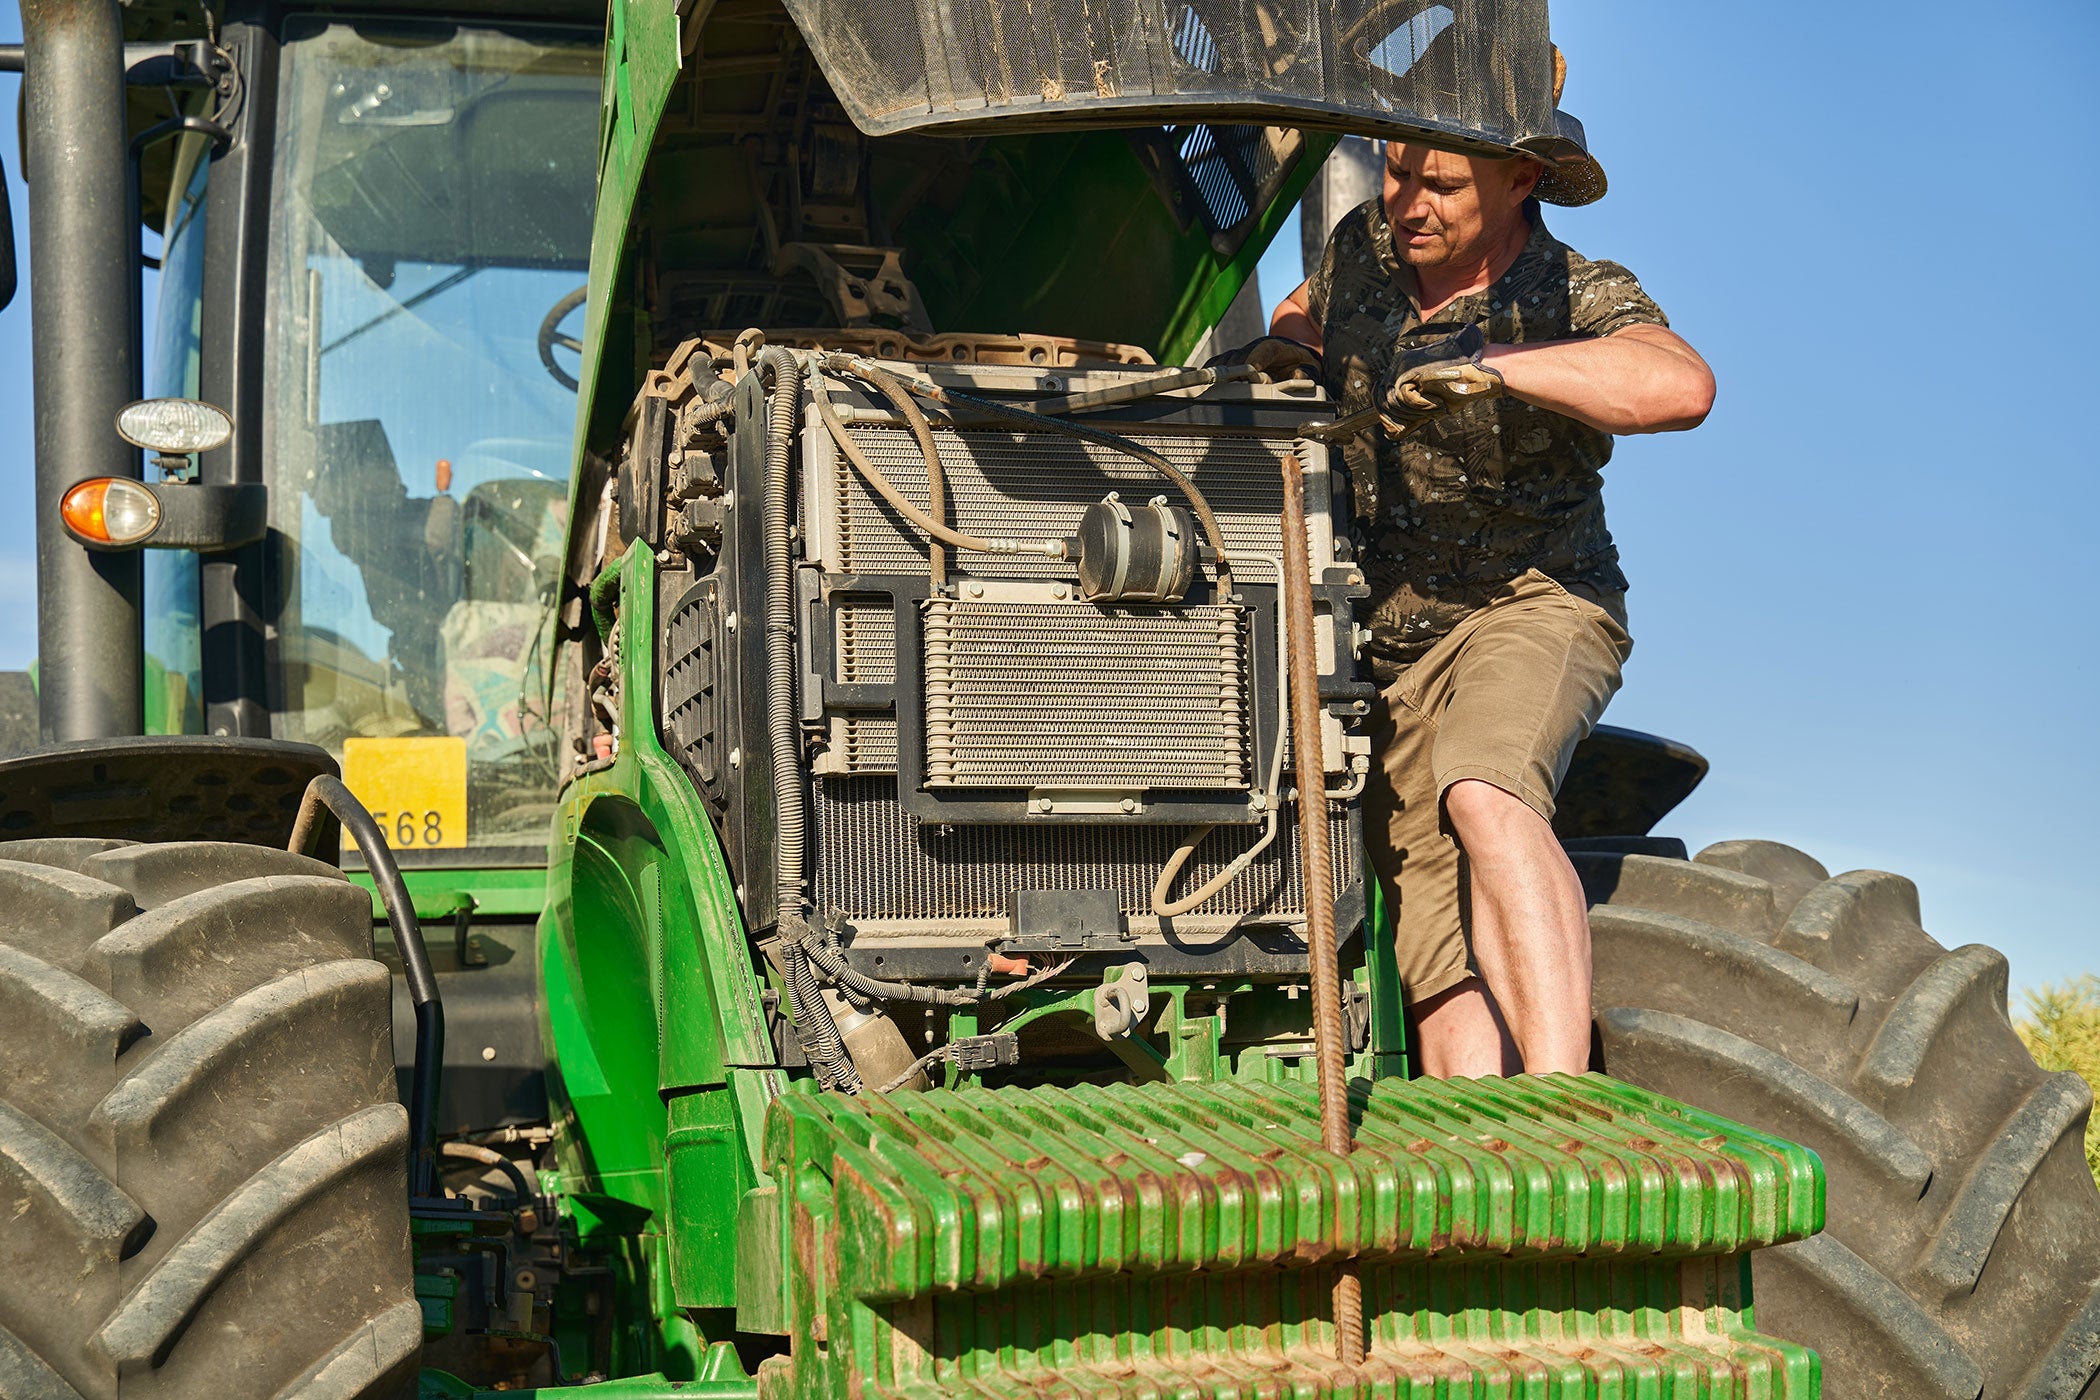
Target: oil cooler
(980, 729)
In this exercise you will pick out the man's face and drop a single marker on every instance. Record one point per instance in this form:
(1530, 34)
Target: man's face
(1449, 208)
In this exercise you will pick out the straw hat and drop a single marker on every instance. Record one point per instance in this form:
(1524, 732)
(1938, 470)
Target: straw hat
(1573, 177)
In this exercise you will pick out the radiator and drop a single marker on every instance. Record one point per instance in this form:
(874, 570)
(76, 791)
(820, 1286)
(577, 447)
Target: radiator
(885, 870)
(1070, 696)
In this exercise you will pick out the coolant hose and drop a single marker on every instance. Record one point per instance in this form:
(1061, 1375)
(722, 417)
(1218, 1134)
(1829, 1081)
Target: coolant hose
(1166, 908)
(922, 432)
(820, 1037)
(1115, 442)
(931, 525)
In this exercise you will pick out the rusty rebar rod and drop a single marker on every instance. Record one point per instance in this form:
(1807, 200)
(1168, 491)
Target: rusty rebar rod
(1330, 1042)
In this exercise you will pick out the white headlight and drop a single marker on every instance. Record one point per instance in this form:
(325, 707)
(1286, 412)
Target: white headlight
(174, 426)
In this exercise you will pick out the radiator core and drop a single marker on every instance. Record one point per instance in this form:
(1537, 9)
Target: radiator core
(1071, 696)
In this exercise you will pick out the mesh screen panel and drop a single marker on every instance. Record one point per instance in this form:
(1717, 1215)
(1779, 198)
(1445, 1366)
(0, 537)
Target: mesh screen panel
(1471, 72)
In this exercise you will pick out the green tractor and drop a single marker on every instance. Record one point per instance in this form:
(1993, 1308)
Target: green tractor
(686, 625)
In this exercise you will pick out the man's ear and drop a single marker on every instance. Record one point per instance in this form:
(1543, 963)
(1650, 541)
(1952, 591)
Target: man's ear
(1525, 178)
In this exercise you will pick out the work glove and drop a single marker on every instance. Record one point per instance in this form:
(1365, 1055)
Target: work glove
(1275, 356)
(1435, 378)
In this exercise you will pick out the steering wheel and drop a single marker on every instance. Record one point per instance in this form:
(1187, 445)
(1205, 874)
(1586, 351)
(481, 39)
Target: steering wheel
(552, 339)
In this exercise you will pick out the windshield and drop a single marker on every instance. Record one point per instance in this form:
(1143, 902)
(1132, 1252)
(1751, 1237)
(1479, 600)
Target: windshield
(432, 224)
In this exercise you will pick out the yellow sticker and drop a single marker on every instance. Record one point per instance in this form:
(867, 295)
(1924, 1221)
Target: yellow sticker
(416, 789)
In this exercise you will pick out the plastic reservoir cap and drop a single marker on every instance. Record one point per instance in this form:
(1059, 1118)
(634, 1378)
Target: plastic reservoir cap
(174, 427)
(110, 510)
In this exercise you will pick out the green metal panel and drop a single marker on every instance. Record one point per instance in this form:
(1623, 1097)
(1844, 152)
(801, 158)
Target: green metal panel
(488, 894)
(660, 1061)
(1555, 1237)
(641, 62)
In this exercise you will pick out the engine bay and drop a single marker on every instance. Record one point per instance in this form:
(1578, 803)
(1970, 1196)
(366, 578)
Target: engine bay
(972, 649)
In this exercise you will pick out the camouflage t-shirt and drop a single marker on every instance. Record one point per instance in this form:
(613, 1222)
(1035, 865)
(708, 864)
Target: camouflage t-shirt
(1484, 492)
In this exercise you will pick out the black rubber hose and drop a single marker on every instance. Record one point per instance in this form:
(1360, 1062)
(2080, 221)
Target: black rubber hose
(791, 821)
(489, 1157)
(424, 1079)
(790, 817)
(827, 961)
(820, 1034)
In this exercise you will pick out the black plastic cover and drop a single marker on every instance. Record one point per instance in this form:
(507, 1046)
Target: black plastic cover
(1469, 74)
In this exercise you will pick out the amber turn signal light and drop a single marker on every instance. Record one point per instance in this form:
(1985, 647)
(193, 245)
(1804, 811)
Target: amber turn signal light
(112, 512)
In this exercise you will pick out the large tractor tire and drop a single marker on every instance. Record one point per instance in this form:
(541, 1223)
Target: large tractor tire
(1962, 1256)
(203, 1181)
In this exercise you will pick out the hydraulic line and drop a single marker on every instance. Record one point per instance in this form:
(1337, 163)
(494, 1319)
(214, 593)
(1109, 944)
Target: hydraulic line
(1329, 1040)
(827, 960)
(521, 1187)
(791, 819)
(992, 408)
(885, 488)
(1273, 798)
(327, 793)
(921, 431)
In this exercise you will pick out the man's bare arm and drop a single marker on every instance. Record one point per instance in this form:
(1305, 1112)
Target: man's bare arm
(1644, 379)
(1293, 320)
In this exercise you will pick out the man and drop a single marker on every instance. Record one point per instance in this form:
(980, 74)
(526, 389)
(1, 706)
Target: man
(1500, 362)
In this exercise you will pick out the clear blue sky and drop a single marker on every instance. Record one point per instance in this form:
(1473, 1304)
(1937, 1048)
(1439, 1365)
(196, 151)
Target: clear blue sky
(1865, 588)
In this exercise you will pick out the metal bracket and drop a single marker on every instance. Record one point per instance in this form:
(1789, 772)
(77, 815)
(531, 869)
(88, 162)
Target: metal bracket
(860, 283)
(1122, 1001)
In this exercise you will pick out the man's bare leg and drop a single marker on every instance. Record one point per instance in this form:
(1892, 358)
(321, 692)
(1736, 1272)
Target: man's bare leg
(1459, 1035)
(1531, 926)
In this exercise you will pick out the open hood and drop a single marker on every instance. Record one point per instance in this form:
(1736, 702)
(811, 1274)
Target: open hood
(1468, 74)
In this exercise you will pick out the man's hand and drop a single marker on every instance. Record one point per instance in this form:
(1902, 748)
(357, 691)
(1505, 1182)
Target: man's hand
(1275, 356)
(1434, 378)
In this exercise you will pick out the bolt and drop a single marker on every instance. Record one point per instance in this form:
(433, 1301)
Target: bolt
(488, 1052)
(1057, 590)
(729, 620)
(1044, 804)
(736, 757)
(1130, 804)
(527, 1280)
(677, 456)
(975, 590)
(1356, 578)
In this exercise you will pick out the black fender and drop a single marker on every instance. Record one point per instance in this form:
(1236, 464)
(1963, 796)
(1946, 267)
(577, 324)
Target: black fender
(1621, 782)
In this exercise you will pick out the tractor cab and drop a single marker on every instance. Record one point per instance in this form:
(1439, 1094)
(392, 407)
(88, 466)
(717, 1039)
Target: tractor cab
(409, 202)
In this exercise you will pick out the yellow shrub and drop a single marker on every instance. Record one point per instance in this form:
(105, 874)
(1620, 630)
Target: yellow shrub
(2062, 1031)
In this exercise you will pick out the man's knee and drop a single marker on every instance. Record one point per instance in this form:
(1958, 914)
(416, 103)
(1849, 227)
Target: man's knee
(1479, 810)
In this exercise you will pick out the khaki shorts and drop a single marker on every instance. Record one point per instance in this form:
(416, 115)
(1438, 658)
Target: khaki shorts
(1505, 697)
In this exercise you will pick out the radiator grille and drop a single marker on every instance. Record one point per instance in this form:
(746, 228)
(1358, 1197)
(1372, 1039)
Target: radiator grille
(875, 862)
(1039, 484)
(863, 652)
(864, 643)
(1070, 695)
